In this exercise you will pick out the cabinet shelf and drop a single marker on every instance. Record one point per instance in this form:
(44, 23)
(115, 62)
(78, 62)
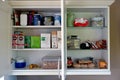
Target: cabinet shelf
(34, 49)
(88, 49)
(89, 27)
(37, 27)
(88, 72)
(36, 72)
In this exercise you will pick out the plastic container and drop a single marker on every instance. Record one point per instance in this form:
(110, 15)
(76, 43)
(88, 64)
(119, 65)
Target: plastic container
(23, 19)
(51, 62)
(73, 42)
(20, 63)
(57, 19)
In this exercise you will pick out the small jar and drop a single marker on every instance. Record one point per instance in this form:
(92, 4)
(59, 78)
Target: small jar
(20, 63)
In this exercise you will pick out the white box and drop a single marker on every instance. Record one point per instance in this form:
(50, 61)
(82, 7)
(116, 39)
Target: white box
(59, 39)
(45, 40)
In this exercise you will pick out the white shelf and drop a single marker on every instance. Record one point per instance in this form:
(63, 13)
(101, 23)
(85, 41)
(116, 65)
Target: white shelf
(88, 49)
(88, 72)
(34, 49)
(36, 72)
(36, 26)
(90, 27)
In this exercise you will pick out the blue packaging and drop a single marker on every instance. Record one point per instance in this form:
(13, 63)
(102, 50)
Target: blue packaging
(37, 19)
(20, 63)
(57, 19)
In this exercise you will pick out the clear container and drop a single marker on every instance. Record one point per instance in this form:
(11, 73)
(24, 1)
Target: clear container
(73, 42)
(51, 62)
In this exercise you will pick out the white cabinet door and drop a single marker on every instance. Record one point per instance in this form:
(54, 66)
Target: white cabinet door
(4, 38)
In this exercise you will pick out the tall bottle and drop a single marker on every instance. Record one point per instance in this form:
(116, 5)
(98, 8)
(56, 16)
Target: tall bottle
(70, 19)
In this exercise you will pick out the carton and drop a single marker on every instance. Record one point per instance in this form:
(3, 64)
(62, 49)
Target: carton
(54, 39)
(45, 40)
(35, 42)
(20, 40)
(59, 39)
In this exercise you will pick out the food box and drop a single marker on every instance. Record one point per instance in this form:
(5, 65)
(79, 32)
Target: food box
(98, 21)
(45, 40)
(27, 41)
(35, 41)
(20, 40)
(54, 39)
(51, 62)
(59, 39)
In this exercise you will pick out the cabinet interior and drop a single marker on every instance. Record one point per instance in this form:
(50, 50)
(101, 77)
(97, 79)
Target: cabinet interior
(35, 55)
(87, 33)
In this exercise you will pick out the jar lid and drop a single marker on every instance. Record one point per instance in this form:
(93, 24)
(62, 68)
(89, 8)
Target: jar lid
(20, 59)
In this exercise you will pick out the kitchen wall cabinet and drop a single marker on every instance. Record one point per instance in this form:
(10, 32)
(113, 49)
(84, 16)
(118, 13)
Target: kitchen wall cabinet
(79, 9)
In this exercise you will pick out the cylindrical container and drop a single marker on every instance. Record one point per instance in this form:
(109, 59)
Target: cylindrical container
(57, 19)
(70, 19)
(23, 19)
(20, 63)
(37, 19)
(30, 19)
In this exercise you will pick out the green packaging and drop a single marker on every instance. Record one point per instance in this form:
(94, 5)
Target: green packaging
(35, 42)
(27, 42)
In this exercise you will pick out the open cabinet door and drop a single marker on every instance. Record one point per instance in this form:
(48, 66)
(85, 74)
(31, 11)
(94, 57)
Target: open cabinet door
(4, 38)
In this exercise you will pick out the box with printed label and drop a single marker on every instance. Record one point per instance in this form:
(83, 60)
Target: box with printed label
(54, 39)
(45, 40)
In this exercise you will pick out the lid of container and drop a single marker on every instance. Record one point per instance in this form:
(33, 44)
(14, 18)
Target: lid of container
(20, 59)
(51, 58)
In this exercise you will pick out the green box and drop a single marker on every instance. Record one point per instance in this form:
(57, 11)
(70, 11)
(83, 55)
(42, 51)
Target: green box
(35, 42)
(27, 42)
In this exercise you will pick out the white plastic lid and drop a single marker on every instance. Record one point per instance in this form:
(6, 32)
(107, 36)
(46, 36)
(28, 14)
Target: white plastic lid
(20, 59)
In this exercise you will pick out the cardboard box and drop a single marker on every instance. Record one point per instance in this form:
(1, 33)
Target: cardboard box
(54, 39)
(59, 39)
(27, 42)
(35, 42)
(45, 40)
(20, 40)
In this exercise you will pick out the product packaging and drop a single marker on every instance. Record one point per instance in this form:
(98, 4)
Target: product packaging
(35, 42)
(59, 39)
(54, 39)
(20, 41)
(23, 19)
(57, 19)
(98, 21)
(27, 41)
(45, 40)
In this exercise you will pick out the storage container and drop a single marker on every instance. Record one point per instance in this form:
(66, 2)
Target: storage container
(20, 62)
(51, 62)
